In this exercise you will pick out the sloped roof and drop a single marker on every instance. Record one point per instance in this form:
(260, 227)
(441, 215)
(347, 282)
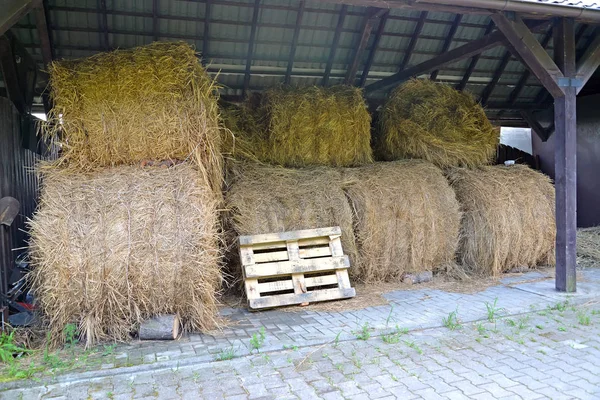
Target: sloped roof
(221, 30)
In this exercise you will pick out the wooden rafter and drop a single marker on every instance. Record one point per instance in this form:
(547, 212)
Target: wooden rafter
(531, 51)
(334, 46)
(590, 60)
(526, 74)
(41, 23)
(448, 41)
(104, 25)
(413, 40)
(535, 126)
(13, 11)
(155, 19)
(487, 92)
(290, 64)
(465, 79)
(251, 45)
(206, 32)
(369, 20)
(371, 56)
(468, 50)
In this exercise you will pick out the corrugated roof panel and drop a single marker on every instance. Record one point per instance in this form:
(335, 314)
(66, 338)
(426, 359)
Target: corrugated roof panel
(317, 19)
(440, 16)
(406, 27)
(231, 13)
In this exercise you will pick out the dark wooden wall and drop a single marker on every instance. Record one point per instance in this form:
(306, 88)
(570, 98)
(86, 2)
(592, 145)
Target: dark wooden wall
(588, 159)
(17, 179)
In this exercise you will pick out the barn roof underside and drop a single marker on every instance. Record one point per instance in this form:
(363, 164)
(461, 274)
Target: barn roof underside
(324, 34)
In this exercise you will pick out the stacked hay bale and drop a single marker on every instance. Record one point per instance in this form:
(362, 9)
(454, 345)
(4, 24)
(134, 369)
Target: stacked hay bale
(435, 122)
(508, 218)
(298, 127)
(588, 242)
(264, 199)
(127, 225)
(406, 219)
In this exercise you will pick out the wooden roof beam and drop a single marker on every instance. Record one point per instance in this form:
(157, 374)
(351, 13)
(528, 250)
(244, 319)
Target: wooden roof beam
(465, 79)
(371, 56)
(369, 21)
(41, 23)
(448, 41)
(590, 61)
(459, 53)
(13, 11)
(206, 32)
(104, 25)
(531, 51)
(535, 125)
(251, 46)
(290, 64)
(335, 43)
(413, 40)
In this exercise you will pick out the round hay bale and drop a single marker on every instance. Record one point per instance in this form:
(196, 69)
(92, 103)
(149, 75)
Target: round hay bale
(407, 219)
(118, 246)
(264, 199)
(432, 121)
(309, 126)
(154, 102)
(508, 218)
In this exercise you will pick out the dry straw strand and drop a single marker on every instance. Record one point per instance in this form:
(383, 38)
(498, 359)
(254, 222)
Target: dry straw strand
(152, 102)
(114, 247)
(308, 126)
(264, 199)
(406, 216)
(435, 122)
(508, 218)
(588, 242)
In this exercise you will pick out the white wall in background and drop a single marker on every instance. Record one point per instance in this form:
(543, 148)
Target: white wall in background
(519, 138)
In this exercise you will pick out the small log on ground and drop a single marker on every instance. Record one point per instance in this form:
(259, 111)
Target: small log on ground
(163, 327)
(421, 277)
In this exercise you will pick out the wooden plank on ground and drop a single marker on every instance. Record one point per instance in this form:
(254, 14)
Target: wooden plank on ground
(296, 267)
(293, 235)
(309, 297)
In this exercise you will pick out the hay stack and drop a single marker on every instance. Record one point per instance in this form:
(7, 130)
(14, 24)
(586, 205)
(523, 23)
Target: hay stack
(508, 218)
(114, 247)
(407, 219)
(264, 199)
(424, 119)
(588, 242)
(298, 127)
(154, 102)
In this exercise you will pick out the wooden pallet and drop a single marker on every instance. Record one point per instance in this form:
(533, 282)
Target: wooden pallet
(295, 267)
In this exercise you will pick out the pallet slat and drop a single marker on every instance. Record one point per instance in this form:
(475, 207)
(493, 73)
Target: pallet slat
(287, 261)
(292, 235)
(296, 267)
(289, 299)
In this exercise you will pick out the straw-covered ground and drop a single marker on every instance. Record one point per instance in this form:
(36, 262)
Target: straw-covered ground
(114, 247)
(406, 219)
(508, 218)
(435, 122)
(154, 102)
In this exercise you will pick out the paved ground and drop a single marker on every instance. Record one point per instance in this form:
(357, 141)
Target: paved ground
(546, 345)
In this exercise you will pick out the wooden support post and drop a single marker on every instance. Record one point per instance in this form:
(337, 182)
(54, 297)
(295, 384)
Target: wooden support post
(290, 65)
(13, 11)
(251, 46)
(8, 68)
(565, 169)
(335, 43)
